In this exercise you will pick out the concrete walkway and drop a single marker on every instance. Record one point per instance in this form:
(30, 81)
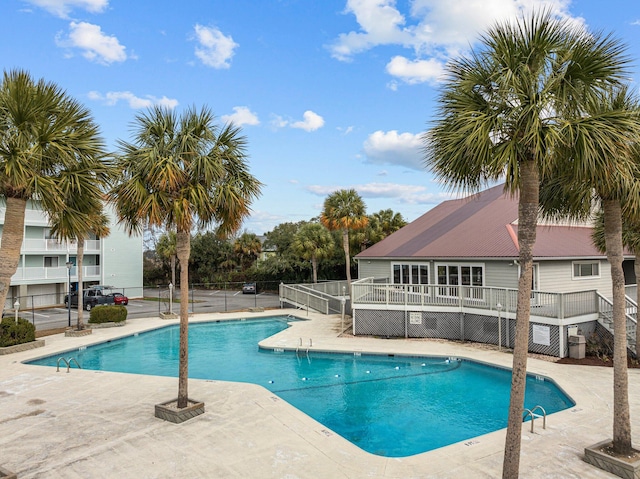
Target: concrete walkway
(92, 424)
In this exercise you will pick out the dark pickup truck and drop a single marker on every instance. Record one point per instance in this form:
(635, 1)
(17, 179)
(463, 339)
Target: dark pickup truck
(92, 297)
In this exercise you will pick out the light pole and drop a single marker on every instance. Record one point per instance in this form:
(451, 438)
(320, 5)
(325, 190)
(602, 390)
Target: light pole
(499, 307)
(16, 307)
(170, 298)
(69, 265)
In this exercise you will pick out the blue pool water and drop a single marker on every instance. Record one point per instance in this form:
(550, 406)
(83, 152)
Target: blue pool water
(390, 406)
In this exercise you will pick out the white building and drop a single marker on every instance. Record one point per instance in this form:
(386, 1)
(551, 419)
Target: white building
(42, 277)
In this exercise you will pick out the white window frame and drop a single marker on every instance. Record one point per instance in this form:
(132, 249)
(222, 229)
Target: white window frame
(448, 287)
(410, 265)
(585, 277)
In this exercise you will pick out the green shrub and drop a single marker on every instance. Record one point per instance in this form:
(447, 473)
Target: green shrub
(108, 314)
(12, 333)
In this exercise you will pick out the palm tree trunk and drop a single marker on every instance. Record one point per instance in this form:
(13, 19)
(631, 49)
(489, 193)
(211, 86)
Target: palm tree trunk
(636, 269)
(12, 236)
(527, 220)
(79, 263)
(183, 249)
(314, 266)
(345, 245)
(613, 243)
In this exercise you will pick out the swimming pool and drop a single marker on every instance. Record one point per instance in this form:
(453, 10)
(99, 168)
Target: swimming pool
(392, 406)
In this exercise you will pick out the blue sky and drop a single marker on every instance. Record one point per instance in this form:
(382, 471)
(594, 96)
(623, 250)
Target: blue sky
(331, 94)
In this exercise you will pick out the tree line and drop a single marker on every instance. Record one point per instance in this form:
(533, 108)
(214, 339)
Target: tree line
(293, 252)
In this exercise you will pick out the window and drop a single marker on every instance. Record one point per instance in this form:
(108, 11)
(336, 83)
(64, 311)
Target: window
(410, 273)
(50, 261)
(452, 275)
(586, 269)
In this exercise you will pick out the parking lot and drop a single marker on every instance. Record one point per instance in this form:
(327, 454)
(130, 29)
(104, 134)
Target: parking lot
(153, 303)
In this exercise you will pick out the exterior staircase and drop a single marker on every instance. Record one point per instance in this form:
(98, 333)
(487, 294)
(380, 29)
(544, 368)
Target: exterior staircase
(605, 319)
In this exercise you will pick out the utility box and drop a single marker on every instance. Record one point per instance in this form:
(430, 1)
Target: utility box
(577, 346)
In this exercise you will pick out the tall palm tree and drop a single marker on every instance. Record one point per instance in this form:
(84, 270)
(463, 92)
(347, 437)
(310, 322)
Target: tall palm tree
(313, 242)
(343, 211)
(181, 172)
(64, 227)
(605, 174)
(166, 248)
(44, 133)
(501, 114)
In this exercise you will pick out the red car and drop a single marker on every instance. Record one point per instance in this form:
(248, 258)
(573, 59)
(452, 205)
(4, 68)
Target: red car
(120, 298)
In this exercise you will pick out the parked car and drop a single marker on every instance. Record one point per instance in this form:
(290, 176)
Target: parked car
(92, 297)
(249, 288)
(120, 298)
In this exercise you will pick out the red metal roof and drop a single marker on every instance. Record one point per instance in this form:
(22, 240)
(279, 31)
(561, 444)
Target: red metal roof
(484, 225)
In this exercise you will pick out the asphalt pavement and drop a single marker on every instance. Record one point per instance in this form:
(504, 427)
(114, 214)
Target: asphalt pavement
(200, 301)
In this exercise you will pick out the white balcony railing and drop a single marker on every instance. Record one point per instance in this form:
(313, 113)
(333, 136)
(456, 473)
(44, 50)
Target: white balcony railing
(52, 245)
(60, 273)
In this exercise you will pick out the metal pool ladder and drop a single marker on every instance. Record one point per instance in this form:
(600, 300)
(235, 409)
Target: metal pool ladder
(68, 363)
(534, 415)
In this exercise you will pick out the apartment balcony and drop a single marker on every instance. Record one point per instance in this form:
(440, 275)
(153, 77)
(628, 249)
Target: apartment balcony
(31, 246)
(54, 274)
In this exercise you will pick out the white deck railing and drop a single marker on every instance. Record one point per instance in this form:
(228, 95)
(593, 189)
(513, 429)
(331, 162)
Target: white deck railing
(550, 305)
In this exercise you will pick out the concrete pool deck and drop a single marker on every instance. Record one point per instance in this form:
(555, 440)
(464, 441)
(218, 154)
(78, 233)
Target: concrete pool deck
(94, 424)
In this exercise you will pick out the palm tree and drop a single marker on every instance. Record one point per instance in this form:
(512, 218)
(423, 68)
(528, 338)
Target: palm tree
(387, 222)
(166, 248)
(501, 114)
(247, 248)
(604, 171)
(313, 242)
(343, 211)
(178, 173)
(83, 216)
(44, 133)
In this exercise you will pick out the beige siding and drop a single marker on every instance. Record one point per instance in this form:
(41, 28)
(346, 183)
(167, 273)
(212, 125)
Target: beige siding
(501, 274)
(557, 277)
(374, 269)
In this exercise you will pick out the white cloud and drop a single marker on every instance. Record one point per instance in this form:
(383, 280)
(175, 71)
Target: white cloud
(242, 116)
(62, 8)
(394, 148)
(95, 45)
(311, 121)
(135, 102)
(214, 48)
(278, 122)
(408, 194)
(380, 22)
(417, 71)
(435, 30)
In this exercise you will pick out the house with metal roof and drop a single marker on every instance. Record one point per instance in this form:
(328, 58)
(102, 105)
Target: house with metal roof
(474, 242)
(453, 273)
